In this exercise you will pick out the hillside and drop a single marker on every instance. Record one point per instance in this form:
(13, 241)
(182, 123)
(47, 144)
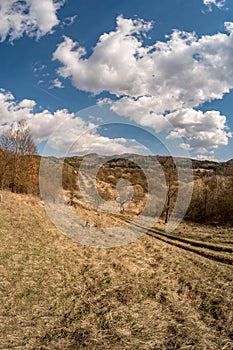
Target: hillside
(149, 295)
(212, 182)
(211, 201)
(94, 158)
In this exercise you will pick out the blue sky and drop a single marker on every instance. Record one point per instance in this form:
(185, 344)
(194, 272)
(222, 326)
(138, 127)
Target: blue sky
(165, 67)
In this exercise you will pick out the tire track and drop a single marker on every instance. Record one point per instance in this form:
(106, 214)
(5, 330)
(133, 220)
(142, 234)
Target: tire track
(207, 250)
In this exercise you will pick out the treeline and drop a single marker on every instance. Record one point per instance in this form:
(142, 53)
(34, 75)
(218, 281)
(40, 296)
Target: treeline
(212, 200)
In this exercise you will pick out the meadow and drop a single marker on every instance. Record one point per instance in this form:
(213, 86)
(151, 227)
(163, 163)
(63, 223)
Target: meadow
(58, 294)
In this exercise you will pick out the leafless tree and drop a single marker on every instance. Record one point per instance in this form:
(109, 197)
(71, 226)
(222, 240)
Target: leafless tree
(16, 147)
(172, 187)
(18, 139)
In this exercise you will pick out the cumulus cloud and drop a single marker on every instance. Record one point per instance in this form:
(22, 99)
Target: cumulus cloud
(83, 135)
(113, 66)
(217, 3)
(202, 131)
(182, 70)
(199, 130)
(31, 17)
(159, 83)
(84, 138)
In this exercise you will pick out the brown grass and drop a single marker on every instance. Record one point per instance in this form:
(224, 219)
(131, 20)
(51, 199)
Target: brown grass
(57, 294)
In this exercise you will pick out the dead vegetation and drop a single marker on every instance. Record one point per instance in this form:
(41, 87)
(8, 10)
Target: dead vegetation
(57, 294)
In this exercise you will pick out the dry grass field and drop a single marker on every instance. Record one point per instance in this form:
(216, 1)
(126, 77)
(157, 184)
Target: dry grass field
(148, 295)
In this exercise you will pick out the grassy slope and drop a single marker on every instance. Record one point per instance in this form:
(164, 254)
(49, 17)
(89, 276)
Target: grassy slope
(148, 295)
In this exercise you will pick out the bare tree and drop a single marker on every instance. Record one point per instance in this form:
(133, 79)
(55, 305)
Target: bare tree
(16, 146)
(18, 139)
(172, 186)
(171, 194)
(125, 193)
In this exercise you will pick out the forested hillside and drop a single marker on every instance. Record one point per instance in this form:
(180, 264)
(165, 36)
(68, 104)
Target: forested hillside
(212, 181)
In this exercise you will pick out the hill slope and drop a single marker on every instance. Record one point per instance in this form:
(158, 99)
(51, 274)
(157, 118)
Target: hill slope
(58, 294)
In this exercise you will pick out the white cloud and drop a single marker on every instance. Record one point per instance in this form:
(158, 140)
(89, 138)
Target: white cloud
(183, 70)
(90, 141)
(199, 130)
(166, 81)
(69, 21)
(34, 18)
(112, 66)
(40, 82)
(27, 104)
(210, 3)
(229, 26)
(56, 83)
(82, 134)
(204, 157)
(202, 131)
